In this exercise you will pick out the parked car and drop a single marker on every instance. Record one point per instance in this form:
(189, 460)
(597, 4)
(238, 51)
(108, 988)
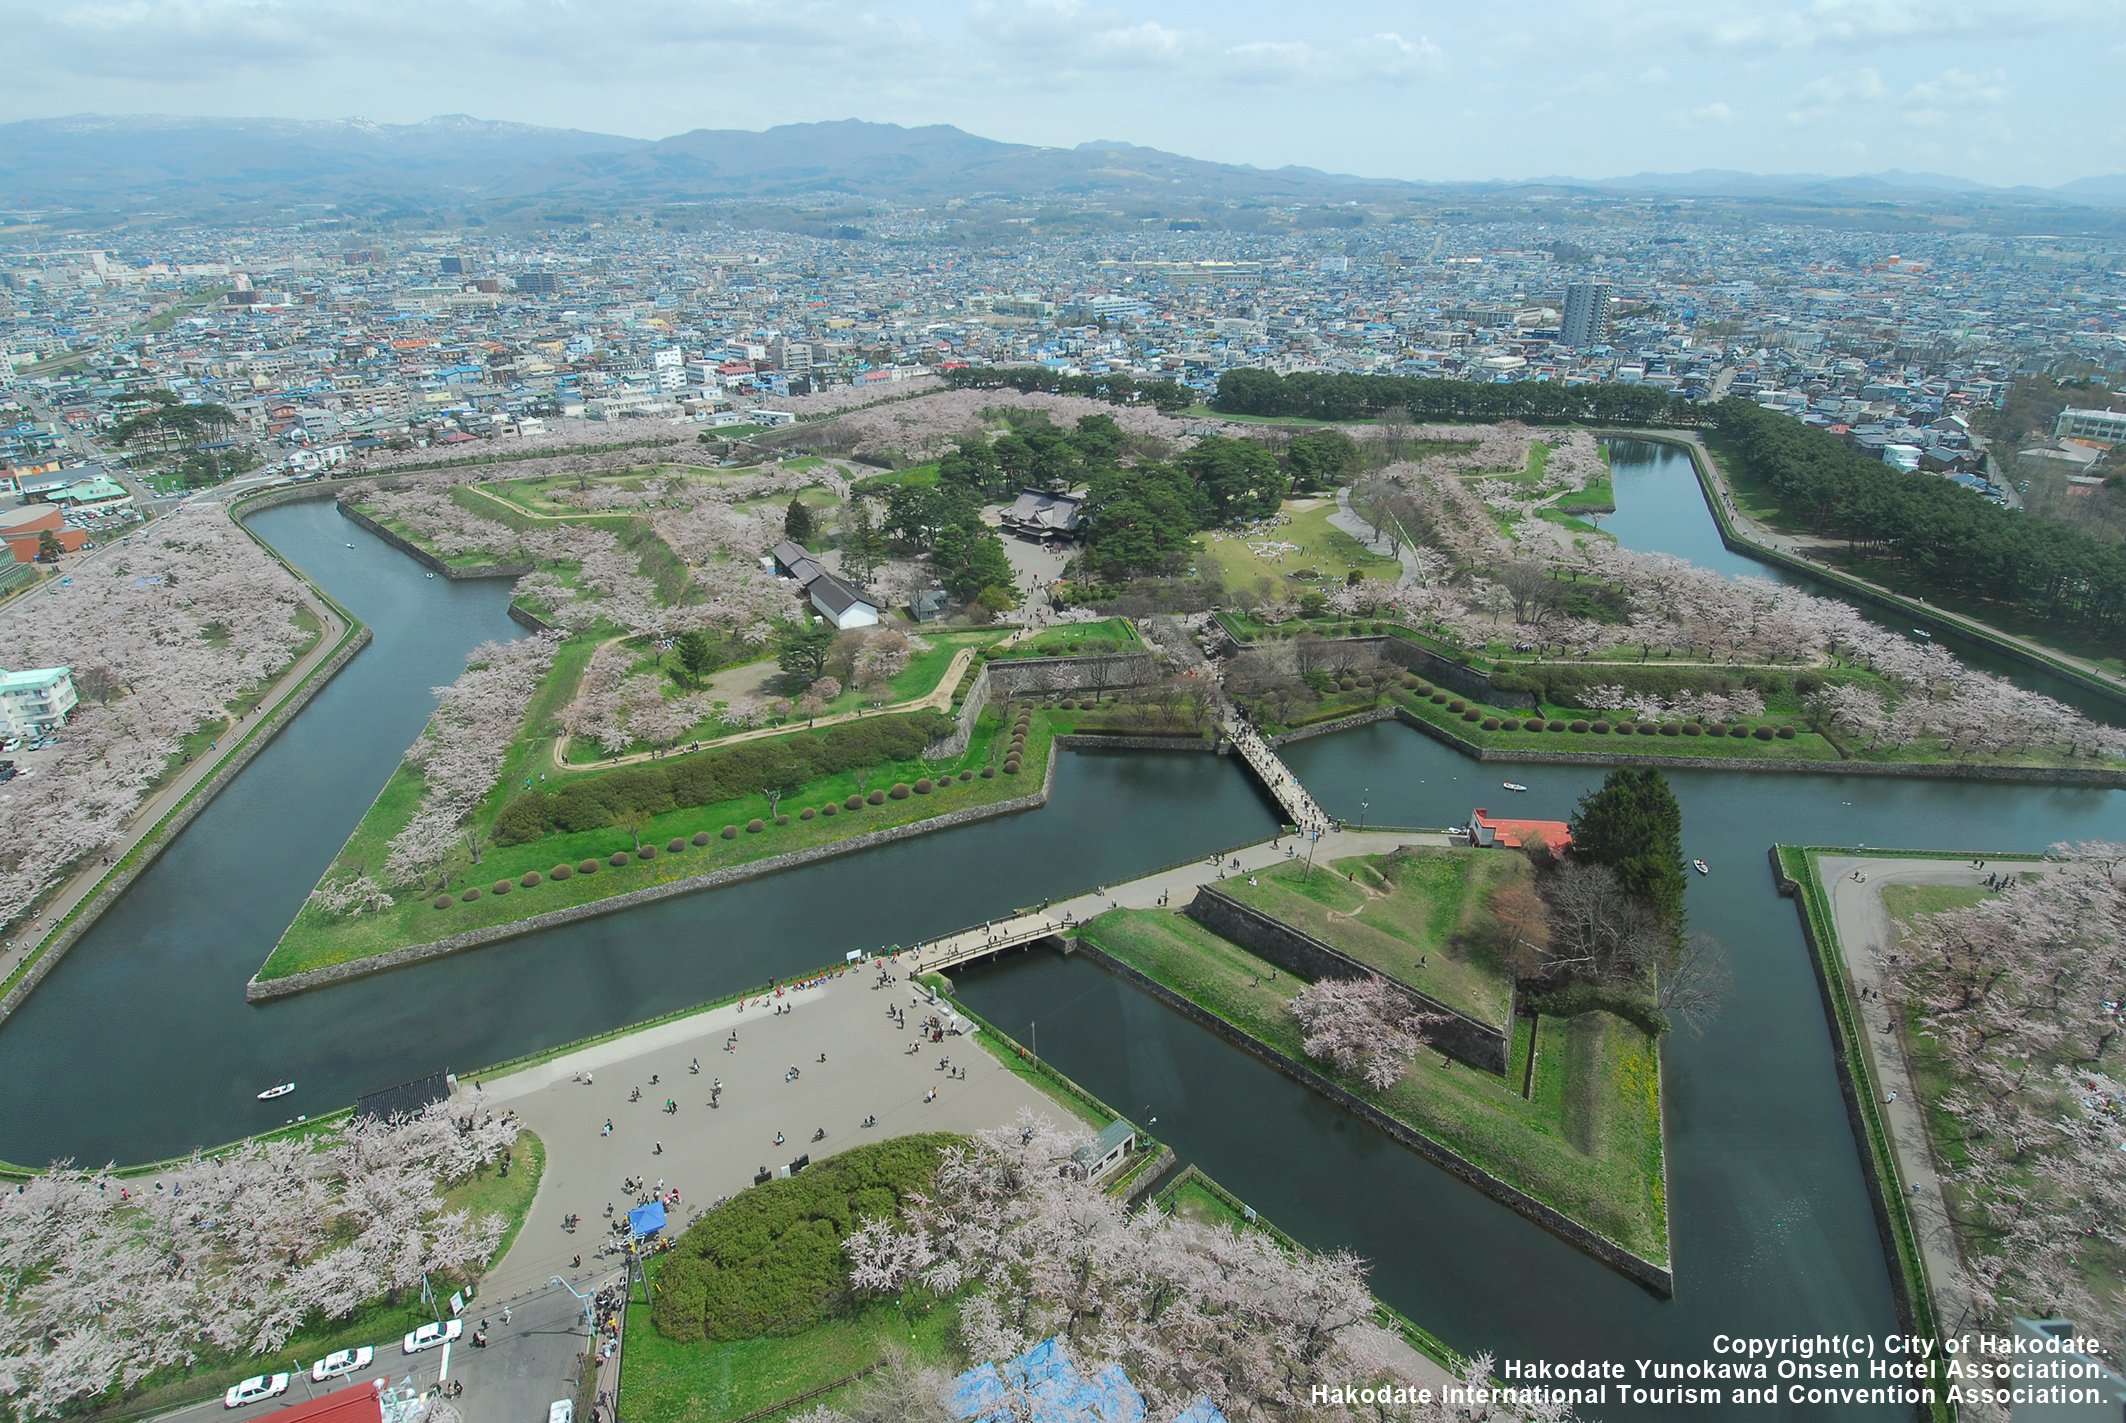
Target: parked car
(428, 1336)
(346, 1361)
(251, 1390)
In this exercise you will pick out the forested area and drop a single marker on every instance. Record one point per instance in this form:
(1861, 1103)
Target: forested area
(1357, 397)
(1944, 535)
(1164, 395)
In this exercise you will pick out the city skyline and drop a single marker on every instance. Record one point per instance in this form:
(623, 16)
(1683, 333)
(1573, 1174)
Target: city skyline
(1425, 92)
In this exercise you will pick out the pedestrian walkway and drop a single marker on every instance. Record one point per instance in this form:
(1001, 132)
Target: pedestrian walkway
(604, 1117)
(1170, 888)
(86, 881)
(1854, 884)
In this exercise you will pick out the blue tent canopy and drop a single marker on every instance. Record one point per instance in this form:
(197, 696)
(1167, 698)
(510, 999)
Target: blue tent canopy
(646, 1220)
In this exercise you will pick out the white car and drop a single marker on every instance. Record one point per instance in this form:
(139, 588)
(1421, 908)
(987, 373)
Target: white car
(428, 1336)
(346, 1361)
(251, 1390)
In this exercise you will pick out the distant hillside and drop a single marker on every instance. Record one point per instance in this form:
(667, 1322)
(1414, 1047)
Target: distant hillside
(115, 164)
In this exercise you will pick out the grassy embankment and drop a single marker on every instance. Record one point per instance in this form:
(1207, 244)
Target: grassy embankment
(379, 1323)
(1585, 1140)
(317, 940)
(1074, 640)
(1908, 1265)
(1416, 915)
(918, 680)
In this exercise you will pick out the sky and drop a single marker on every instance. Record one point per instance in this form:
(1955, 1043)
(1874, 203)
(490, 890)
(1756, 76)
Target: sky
(2001, 91)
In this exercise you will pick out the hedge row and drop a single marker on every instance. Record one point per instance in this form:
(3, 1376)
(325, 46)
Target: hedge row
(770, 1260)
(901, 790)
(595, 799)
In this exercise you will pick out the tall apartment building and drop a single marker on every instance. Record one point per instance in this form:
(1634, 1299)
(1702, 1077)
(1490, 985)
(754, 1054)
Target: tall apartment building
(539, 283)
(1586, 315)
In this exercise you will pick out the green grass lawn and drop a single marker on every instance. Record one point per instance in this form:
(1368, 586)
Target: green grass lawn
(1586, 1140)
(317, 940)
(1076, 640)
(673, 1381)
(1329, 553)
(925, 670)
(1414, 916)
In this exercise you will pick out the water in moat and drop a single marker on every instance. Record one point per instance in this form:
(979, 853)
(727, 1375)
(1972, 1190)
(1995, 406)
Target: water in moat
(1661, 509)
(140, 1043)
(1769, 1216)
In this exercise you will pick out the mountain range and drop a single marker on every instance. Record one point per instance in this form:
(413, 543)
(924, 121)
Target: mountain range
(114, 163)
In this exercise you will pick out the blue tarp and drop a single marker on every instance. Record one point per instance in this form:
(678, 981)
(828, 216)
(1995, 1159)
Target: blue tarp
(1043, 1385)
(646, 1220)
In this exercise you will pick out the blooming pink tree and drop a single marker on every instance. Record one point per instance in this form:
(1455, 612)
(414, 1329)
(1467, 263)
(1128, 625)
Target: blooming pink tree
(1363, 1027)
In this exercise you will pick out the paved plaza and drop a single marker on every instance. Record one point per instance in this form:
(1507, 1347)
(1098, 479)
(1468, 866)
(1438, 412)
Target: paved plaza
(711, 1152)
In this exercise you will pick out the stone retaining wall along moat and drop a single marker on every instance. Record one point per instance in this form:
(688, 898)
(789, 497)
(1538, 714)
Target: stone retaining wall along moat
(1481, 1045)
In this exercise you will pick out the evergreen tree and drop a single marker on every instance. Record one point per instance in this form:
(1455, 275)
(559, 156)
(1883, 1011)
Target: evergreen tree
(697, 652)
(861, 542)
(801, 650)
(1634, 826)
(797, 525)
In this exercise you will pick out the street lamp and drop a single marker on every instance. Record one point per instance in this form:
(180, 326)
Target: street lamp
(1363, 802)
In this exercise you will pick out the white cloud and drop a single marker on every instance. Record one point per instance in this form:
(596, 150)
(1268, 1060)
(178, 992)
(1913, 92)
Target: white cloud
(1716, 112)
(1955, 93)
(1653, 74)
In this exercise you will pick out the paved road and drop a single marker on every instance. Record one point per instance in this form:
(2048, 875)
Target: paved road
(1867, 934)
(529, 1362)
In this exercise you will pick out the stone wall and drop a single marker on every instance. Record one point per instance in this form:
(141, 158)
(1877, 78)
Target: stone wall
(258, 990)
(1595, 754)
(1339, 653)
(1481, 1045)
(426, 559)
(1881, 1191)
(1655, 1277)
(1043, 676)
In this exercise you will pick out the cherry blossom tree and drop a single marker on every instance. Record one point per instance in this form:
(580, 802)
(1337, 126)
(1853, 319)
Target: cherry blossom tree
(461, 752)
(2020, 998)
(109, 1279)
(1363, 1027)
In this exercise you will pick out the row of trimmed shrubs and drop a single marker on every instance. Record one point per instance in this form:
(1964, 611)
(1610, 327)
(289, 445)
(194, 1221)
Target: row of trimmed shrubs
(531, 879)
(1600, 726)
(594, 799)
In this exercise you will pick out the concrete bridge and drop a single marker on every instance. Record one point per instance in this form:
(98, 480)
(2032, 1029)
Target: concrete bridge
(1171, 888)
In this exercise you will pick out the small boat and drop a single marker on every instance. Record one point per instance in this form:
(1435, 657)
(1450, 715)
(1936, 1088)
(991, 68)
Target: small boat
(350, 545)
(1922, 634)
(431, 575)
(1515, 786)
(281, 1091)
(1701, 867)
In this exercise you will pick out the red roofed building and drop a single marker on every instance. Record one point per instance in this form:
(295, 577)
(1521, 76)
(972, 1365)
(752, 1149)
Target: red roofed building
(1490, 830)
(357, 1404)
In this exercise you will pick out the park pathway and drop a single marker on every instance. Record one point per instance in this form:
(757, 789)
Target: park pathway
(1865, 932)
(85, 882)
